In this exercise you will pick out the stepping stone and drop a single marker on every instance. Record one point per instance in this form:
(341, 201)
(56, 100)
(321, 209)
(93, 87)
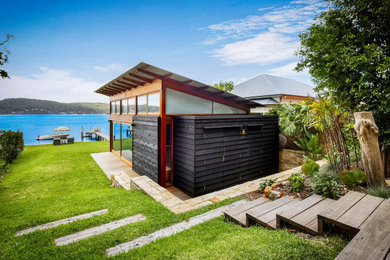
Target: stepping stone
(98, 230)
(238, 214)
(254, 214)
(304, 215)
(61, 222)
(171, 230)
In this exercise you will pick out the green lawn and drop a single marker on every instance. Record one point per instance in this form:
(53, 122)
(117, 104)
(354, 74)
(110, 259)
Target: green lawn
(49, 183)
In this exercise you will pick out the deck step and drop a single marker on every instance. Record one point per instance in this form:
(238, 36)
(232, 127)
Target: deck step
(253, 215)
(373, 240)
(304, 215)
(238, 214)
(349, 212)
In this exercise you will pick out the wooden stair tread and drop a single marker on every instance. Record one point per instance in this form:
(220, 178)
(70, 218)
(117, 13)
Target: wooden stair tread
(302, 206)
(304, 215)
(308, 218)
(238, 214)
(256, 212)
(373, 240)
(269, 219)
(356, 215)
(342, 205)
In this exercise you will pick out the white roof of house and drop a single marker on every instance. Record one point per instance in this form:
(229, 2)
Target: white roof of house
(267, 85)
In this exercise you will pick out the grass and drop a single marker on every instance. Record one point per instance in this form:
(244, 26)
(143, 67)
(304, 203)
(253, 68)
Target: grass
(382, 191)
(49, 183)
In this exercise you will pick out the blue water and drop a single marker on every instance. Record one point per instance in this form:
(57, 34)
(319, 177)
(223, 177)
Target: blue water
(34, 125)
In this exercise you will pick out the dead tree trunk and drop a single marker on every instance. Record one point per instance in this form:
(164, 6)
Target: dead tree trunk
(367, 132)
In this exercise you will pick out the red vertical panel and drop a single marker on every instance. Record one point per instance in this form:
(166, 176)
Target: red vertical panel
(163, 137)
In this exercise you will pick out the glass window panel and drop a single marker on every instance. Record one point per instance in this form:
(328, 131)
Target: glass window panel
(116, 145)
(124, 106)
(127, 142)
(223, 109)
(112, 107)
(131, 105)
(154, 103)
(117, 107)
(182, 103)
(141, 106)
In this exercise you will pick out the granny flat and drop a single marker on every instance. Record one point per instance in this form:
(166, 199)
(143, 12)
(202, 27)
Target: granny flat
(181, 132)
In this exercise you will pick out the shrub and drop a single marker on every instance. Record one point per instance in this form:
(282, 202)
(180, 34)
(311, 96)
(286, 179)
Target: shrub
(11, 145)
(310, 167)
(297, 182)
(382, 191)
(353, 177)
(266, 183)
(310, 144)
(325, 183)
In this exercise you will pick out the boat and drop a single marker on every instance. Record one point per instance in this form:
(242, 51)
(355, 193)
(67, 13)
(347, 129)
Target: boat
(52, 136)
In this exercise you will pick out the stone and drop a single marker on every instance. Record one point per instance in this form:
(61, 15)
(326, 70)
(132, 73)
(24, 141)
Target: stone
(276, 184)
(273, 194)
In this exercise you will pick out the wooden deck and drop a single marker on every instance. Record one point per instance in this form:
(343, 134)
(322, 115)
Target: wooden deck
(365, 216)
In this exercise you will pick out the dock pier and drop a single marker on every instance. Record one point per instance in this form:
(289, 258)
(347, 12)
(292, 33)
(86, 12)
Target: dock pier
(99, 135)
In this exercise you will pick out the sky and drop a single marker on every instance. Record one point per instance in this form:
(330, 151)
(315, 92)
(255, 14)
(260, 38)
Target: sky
(64, 50)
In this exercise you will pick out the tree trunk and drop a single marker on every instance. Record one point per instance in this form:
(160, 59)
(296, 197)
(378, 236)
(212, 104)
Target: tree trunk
(367, 132)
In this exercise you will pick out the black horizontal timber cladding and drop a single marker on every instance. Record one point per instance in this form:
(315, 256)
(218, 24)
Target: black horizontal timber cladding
(212, 153)
(146, 146)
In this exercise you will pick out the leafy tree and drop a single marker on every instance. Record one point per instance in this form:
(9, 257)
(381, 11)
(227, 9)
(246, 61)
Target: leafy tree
(227, 86)
(347, 53)
(4, 55)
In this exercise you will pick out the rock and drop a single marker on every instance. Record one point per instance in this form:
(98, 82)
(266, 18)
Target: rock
(266, 191)
(276, 184)
(273, 194)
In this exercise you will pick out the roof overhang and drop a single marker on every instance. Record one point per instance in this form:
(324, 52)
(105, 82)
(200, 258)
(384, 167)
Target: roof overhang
(143, 73)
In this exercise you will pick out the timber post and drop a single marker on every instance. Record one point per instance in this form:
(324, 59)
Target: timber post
(367, 132)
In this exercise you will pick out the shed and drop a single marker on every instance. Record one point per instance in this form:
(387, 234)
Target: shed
(181, 132)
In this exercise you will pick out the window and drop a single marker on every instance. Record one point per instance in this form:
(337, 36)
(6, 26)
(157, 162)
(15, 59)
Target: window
(141, 106)
(181, 103)
(154, 103)
(117, 107)
(223, 109)
(112, 107)
(124, 106)
(131, 103)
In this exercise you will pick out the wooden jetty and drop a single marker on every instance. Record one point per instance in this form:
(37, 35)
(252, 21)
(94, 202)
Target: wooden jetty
(99, 135)
(52, 136)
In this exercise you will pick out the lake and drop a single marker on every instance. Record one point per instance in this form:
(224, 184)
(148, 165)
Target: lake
(34, 125)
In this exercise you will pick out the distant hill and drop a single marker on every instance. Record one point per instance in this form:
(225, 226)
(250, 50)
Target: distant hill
(37, 106)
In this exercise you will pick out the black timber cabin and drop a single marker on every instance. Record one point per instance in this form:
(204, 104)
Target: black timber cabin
(181, 132)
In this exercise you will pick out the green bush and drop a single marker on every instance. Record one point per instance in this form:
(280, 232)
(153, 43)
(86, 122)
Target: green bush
(382, 191)
(11, 145)
(310, 167)
(310, 144)
(266, 183)
(353, 177)
(325, 183)
(297, 182)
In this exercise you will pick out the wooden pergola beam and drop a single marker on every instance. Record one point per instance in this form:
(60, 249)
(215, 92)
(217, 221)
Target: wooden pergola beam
(126, 83)
(140, 83)
(124, 87)
(141, 78)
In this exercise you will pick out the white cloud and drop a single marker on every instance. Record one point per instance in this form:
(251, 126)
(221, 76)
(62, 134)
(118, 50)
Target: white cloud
(270, 36)
(265, 48)
(285, 70)
(110, 68)
(52, 84)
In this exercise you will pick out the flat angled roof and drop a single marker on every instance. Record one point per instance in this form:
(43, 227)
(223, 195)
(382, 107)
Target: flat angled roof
(145, 73)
